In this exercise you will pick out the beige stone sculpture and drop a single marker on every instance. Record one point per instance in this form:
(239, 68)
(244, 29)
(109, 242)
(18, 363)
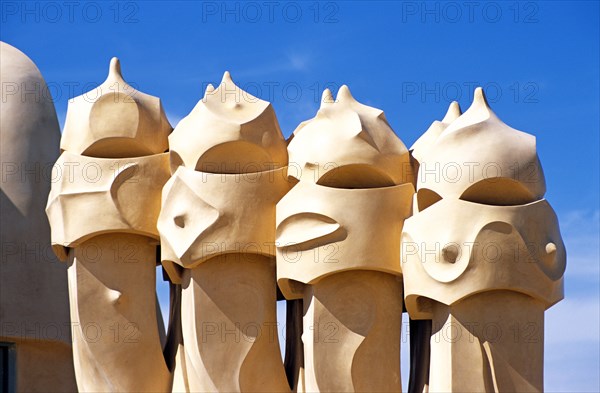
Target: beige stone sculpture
(482, 255)
(34, 310)
(103, 209)
(238, 217)
(338, 242)
(217, 230)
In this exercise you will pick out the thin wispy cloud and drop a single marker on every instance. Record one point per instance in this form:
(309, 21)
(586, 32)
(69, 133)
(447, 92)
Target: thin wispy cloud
(572, 328)
(581, 233)
(292, 62)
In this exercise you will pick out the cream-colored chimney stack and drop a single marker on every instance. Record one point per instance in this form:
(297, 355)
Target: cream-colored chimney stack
(217, 230)
(103, 209)
(482, 256)
(338, 245)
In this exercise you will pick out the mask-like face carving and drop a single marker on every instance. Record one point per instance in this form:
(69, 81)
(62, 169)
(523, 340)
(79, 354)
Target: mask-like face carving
(205, 214)
(126, 191)
(228, 159)
(321, 230)
(353, 179)
(459, 248)
(474, 232)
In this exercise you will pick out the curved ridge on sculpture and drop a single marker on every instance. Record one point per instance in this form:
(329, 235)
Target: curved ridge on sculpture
(206, 214)
(421, 147)
(127, 192)
(326, 230)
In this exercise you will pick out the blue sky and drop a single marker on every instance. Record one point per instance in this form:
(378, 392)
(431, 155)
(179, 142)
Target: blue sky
(539, 63)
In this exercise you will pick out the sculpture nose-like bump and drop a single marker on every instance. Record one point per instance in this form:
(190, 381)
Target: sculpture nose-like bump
(550, 258)
(551, 248)
(116, 297)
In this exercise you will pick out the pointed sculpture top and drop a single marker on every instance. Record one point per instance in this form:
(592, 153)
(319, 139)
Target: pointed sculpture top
(327, 97)
(231, 103)
(496, 164)
(345, 132)
(226, 78)
(453, 113)
(114, 120)
(478, 112)
(209, 89)
(229, 131)
(479, 97)
(114, 68)
(344, 95)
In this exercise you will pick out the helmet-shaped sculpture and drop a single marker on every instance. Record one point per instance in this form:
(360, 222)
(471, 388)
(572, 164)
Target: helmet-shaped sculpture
(103, 212)
(482, 254)
(217, 227)
(354, 178)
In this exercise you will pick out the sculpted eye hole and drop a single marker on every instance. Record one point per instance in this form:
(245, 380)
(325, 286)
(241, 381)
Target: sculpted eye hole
(426, 198)
(498, 191)
(112, 141)
(355, 176)
(235, 157)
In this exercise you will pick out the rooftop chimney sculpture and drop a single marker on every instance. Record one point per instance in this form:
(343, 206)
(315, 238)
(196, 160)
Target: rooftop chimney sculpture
(482, 254)
(338, 245)
(342, 221)
(217, 227)
(103, 209)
